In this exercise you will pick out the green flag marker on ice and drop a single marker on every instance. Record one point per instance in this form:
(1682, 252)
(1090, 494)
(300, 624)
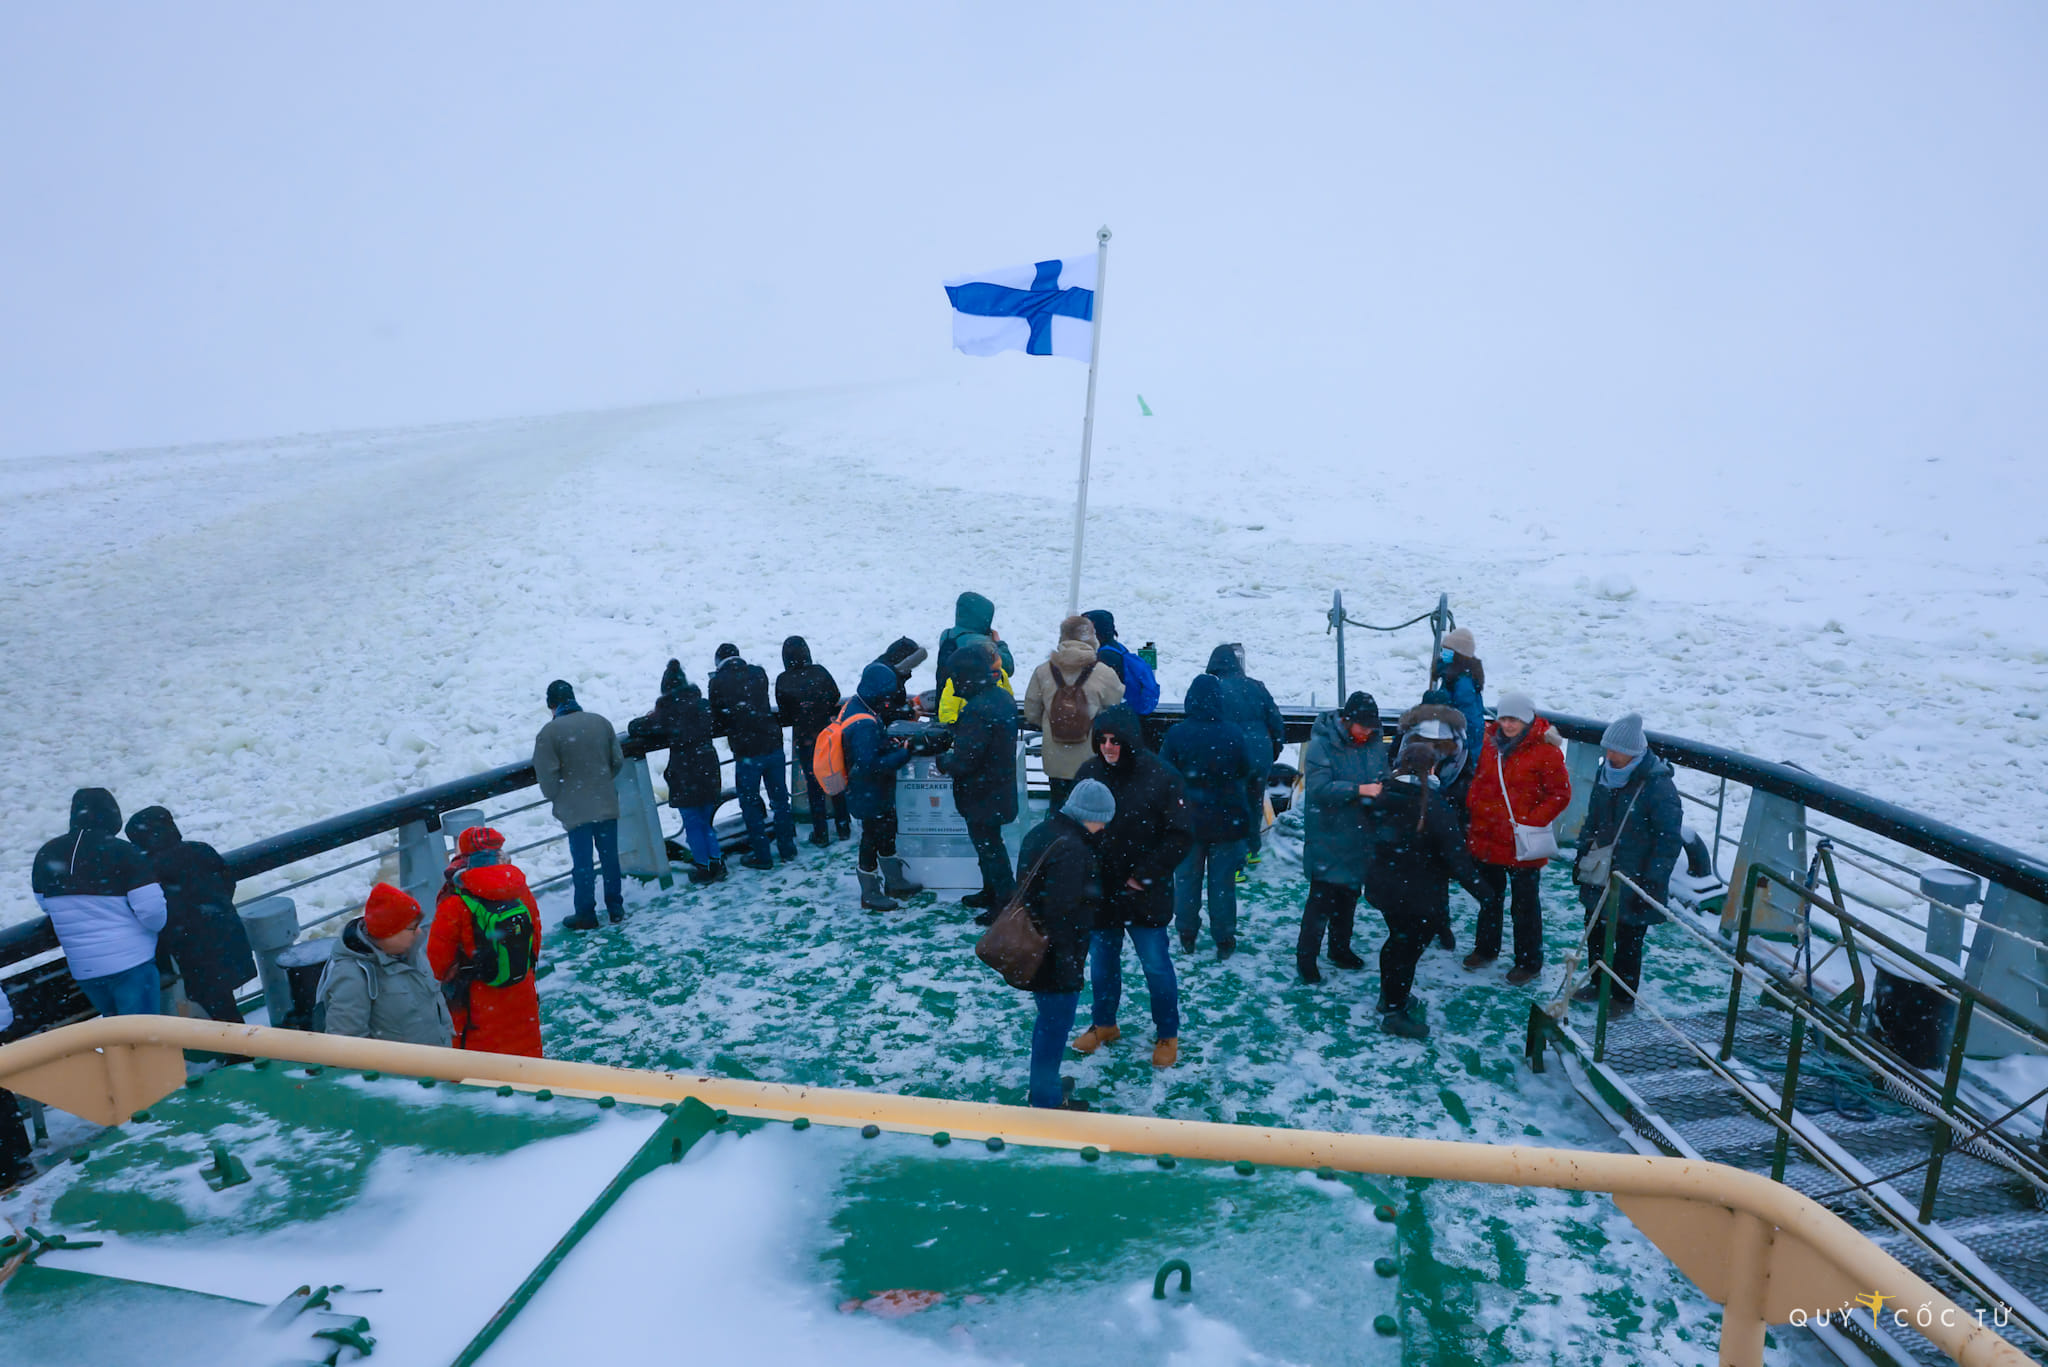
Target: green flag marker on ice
(1143, 407)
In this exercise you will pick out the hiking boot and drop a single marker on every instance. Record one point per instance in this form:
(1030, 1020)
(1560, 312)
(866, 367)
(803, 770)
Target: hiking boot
(578, 922)
(1344, 958)
(872, 898)
(820, 836)
(752, 860)
(1308, 970)
(1243, 874)
(1519, 975)
(1095, 1036)
(1166, 1053)
(1224, 949)
(708, 873)
(1476, 961)
(1255, 856)
(896, 878)
(978, 899)
(1408, 1022)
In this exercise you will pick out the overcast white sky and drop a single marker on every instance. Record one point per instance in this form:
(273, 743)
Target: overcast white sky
(1808, 227)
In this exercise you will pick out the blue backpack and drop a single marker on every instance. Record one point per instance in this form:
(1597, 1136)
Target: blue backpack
(1141, 685)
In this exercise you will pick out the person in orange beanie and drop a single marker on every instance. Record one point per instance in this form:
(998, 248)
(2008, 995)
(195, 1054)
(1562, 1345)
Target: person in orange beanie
(484, 946)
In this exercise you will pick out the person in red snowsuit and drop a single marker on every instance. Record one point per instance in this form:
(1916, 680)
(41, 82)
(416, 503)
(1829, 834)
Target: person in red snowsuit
(1520, 779)
(481, 891)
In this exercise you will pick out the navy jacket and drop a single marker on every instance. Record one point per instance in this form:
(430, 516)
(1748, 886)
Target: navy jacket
(1249, 707)
(983, 759)
(741, 711)
(202, 935)
(872, 757)
(1650, 840)
(1209, 753)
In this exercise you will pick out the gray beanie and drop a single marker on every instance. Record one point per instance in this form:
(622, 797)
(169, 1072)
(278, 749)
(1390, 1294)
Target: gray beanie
(1091, 800)
(1520, 706)
(1625, 734)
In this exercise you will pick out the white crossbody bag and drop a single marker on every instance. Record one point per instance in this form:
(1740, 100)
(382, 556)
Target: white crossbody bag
(1531, 842)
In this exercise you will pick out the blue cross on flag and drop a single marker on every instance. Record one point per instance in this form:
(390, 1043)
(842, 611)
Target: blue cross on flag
(1044, 309)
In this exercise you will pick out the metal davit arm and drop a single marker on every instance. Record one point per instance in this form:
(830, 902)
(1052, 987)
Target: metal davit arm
(1767, 1253)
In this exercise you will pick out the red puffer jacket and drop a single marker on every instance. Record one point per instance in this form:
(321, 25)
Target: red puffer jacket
(1538, 785)
(496, 1020)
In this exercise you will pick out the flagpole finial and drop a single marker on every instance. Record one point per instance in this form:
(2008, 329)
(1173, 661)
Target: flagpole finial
(1102, 233)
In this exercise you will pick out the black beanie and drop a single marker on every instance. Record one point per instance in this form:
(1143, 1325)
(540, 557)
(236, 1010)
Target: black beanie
(1105, 625)
(560, 692)
(1361, 708)
(727, 651)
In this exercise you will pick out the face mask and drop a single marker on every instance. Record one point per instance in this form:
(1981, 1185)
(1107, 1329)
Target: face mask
(1447, 655)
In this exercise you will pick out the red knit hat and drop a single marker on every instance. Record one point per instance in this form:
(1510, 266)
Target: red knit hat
(479, 838)
(388, 912)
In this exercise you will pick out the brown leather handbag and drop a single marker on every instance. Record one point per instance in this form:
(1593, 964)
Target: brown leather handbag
(1013, 946)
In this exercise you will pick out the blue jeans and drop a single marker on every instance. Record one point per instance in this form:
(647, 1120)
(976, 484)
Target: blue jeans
(1049, 1044)
(1219, 861)
(748, 776)
(136, 991)
(603, 838)
(697, 830)
(1106, 976)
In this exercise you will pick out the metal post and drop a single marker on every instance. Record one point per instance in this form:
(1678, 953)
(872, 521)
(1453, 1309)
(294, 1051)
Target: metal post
(1609, 910)
(1751, 879)
(272, 923)
(1337, 622)
(1943, 1135)
(1788, 1097)
(422, 862)
(1088, 420)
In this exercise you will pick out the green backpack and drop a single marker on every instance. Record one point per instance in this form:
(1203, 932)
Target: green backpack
(504, 941)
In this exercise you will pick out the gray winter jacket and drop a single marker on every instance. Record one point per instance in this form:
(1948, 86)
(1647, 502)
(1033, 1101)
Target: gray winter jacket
(1338, 845)
(576, 756)
(371, 995)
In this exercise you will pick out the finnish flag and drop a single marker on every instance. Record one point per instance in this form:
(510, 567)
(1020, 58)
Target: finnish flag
(1044, 309)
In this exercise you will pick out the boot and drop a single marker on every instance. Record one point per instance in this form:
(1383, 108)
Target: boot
(1166, 1053)
(1476, 961)
(1409, 1022)
(820, 836)
(1344, 958)
(1224, 949)
(844, 826)
(1095, 1036)
(978, 899)
(988, 918)
(1519, 975)
(708, 873)
(1445, 936)
(896, 878)
(757, 859)
(1308, 970)
(1341, 926)
(872, 898)
(578, 922)
(1187, 942)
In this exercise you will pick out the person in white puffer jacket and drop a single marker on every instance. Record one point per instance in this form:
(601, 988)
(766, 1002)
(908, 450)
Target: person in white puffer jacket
(103, 900)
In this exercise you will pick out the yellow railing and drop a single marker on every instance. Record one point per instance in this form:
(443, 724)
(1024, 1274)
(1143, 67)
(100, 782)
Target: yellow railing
(1760, 1249)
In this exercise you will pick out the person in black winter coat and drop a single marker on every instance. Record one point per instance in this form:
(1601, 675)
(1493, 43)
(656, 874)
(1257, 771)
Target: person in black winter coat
(902, 657)
(807, 699)
(742, 713)
(202, 936)
(873, 759)
(1138, 855)
(681, 720)
(982, 762)
(1419, 848)
(1249, 706)
(1438, 724)
(1634, 809)
(1208, 753)
(1063, 895)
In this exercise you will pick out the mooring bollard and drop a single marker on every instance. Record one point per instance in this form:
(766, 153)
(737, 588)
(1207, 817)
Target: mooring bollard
(1773, 831)
(1948, 891)
(272, 924)
(643, 851)
(453, 824)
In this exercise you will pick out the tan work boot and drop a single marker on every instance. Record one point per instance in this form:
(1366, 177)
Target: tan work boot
(1095, 1036)
(1166, 1053)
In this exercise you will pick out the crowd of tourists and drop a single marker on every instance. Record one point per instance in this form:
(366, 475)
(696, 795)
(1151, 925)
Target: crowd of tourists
(1147, 833)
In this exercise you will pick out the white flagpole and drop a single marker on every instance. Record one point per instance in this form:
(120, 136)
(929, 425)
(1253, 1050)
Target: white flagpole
(1088, 421)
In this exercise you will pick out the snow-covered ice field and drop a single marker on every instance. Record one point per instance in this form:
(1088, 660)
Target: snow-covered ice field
(264, 633)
